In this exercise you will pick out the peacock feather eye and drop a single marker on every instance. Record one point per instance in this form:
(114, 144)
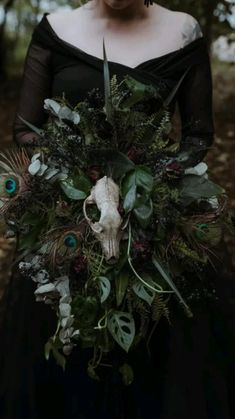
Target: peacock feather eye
(11, 186)
(71, 241)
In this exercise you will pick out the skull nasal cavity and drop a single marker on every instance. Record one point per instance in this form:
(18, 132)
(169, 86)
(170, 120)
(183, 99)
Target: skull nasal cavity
(112, 260)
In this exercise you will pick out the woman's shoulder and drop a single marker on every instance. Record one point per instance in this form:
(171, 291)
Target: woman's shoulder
(182, 23)
(63, 18)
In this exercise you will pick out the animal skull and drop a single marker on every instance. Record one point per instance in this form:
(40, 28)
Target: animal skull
(108, 230)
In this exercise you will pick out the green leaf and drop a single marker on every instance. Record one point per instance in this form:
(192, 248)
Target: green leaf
(138, 91)
(169, 281)
(130, 199)
(193, 187)
(70, 191)
(144, 212)
(144, 292)
(92, 373)
(172, 94)
(31, 240)
(38, 131)
(105, 288)
(107, 89)
(122, 327)
(86, 310)
(51, 347)
(47, 349)
(136, 187)
(29, 218)
(82, 183)
(116, 162)
(140, 176)
(127, 374)
(121, 284)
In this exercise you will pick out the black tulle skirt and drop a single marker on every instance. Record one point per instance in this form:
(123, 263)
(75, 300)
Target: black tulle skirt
(188, 371)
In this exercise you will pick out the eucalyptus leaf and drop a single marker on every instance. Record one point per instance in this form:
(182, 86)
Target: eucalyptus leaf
(193, 187)
(122, 328)
(105, 288)
(70, 191)
(52, 106)
(45, 289)
(34, 167)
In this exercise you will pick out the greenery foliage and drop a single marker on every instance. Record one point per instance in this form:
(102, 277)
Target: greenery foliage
(173, 216)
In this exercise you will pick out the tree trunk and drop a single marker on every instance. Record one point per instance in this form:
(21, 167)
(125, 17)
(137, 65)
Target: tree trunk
(209, 8)
(6, 7)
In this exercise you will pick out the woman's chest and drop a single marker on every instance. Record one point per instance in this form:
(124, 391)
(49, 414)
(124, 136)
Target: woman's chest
(74, 76)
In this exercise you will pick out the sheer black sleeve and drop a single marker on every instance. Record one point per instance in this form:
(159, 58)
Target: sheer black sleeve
(195, 100)
(35, 87)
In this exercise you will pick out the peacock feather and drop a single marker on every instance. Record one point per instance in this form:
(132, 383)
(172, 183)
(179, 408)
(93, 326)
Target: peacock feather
(13, 176)
(63, 243)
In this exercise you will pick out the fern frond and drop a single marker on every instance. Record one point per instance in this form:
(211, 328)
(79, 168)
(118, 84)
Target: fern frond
(159, 308)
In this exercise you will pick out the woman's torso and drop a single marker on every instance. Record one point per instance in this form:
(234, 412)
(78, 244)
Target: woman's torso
(129, 41)
(74, 71)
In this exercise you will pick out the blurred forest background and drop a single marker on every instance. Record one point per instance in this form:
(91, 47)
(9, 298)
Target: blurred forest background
(217, 17)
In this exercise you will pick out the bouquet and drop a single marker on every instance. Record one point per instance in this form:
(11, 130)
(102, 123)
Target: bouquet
(109, 218)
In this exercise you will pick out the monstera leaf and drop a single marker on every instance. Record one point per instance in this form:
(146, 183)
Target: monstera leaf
(143, 291)
(122, 327)
(105, 288)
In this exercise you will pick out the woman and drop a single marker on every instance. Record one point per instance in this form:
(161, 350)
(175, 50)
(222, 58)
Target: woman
(189, 373)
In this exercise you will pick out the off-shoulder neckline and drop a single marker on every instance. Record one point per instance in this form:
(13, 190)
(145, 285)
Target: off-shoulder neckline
(100, 60)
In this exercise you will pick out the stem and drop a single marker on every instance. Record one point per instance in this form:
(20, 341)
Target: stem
(104, 318)
(159, 290)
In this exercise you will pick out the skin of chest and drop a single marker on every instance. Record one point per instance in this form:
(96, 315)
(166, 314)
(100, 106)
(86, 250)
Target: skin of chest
(128, 41)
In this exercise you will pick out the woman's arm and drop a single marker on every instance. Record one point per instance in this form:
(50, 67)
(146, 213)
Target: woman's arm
(35, 87)
(195, 100)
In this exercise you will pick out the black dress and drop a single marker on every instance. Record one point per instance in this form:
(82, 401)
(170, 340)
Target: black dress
(190, 372)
